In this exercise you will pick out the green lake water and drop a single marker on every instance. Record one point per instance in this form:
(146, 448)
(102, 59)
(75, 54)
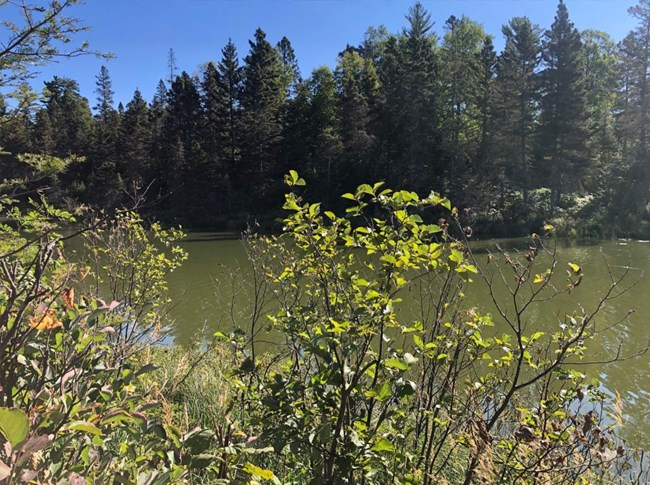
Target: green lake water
(207, 287)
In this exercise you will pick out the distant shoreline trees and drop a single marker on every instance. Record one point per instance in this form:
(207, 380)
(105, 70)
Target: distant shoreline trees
(554, 126)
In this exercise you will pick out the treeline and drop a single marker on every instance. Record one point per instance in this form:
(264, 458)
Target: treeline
(554, 127)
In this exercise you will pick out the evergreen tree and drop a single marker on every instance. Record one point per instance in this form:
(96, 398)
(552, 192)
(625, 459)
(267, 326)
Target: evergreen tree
(459, 76)
(358, 90)
(601, 69)
(230, 82)
(214, 122)
(106, 178)
(392, 127)
(104, 91)
(292, 77)
(421, 108)
(563, 142)
(517, 97)
(43, 133)
(157, 148)
(487, 62)
(184, 158)
(136, 142)
(262, 102)
(634, 106)
(171, 66)
(70, 114)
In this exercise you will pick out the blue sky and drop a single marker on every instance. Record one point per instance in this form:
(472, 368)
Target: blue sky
(140, 32)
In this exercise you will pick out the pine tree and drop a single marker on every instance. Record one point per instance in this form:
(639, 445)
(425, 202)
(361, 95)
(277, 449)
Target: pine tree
(634, 107)
(292, 77)
(106, 178)
(563, 142)
(487, 62)
(358, 90)
(601, 69)
(136, 142)
(183, 157)
(230, 81)
(262, 102)
(214, 126)
(460, 71)
(517, 96)
(171, 66)
(392, 127)
(70, 113)
(421, 108)
(104, 91)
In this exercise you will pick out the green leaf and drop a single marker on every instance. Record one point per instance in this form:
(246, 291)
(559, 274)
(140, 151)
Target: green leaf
(383, 445)
(85, 426)
(14, 425)
(381, 392)
(396, 364)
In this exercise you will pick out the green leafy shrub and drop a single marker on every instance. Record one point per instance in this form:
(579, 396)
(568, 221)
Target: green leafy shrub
(358, 389)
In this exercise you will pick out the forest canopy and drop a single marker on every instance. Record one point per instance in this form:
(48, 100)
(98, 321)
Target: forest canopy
(550, 129)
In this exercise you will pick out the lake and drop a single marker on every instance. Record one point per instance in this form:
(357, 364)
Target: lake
(207, 287)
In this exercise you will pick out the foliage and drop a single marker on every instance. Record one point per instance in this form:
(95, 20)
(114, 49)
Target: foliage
(129, 263)
(564, 110)
(357, 390)
(74, 403)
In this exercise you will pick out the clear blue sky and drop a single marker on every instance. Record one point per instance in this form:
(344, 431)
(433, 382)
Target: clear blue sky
(140, 32)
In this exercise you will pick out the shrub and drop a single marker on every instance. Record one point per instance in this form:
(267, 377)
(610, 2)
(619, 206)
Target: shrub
(357, 390)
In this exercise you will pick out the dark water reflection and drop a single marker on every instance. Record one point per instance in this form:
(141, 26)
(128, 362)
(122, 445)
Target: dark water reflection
(206, 288)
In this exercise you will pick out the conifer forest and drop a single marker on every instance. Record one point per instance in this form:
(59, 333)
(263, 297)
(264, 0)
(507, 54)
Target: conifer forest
(552, 128)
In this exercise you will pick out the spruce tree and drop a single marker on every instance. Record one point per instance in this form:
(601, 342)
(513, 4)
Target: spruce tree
(230, 83)
(563, 141)
(459, 75)
(136, 142)
(358, 90)
(106, 178)
(262, 102)
(292, 77)
(184, 158)
(421, 108)
(517, 97)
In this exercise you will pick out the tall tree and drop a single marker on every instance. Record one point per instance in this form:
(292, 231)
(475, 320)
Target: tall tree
(70, 114)
(563, 142)
(459, 79)
(104, 91)
(421, 108)
(172, 67)
(158, 115)
(600, 53)
(262, 101)
(136, 139)
(214, 124)
(487, 62)
(392, 126)
(184, 157)
(634, 105)
(230, 82)
(106, 178)
(358, 88)
(292, 77)
(517, 98)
